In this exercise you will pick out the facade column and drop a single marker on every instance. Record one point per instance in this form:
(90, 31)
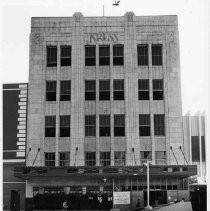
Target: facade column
(151, 105)
(57, 106)
(78, 89)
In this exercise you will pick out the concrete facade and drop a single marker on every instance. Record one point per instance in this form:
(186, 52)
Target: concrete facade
(130, 30)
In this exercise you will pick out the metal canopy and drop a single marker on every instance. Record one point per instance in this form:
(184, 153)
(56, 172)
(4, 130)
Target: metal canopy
(181, 171)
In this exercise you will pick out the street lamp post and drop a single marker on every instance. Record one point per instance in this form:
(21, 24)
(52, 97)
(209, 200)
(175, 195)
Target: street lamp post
(148, 207)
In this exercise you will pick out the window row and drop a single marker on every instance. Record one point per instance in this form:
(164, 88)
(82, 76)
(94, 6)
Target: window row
(104, 90)
(105, 158)
(105, 125)
(104, 55)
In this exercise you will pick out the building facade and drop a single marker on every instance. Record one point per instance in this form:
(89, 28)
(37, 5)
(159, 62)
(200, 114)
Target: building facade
(195, 143)
(104, 97)
(14, 143)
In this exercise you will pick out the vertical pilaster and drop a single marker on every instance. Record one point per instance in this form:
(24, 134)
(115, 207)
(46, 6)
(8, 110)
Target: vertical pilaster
(77, 100)
(151, 104)
(97, 106)
(111, 107)
(57, 105)
(131, 94)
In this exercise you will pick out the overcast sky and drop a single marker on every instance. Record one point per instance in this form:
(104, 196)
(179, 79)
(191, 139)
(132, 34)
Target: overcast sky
(193, 30)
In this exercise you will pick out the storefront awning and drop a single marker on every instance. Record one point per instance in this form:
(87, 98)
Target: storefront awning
(181, 171)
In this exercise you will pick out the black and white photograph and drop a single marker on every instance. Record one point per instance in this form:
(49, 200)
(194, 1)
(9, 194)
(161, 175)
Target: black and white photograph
(104, 105)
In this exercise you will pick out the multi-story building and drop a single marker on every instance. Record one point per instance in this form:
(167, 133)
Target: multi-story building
(104, 97)
(195, 143)
(14, 143)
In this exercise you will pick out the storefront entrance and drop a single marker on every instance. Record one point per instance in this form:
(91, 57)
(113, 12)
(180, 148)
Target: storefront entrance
(156, 197)
(56, 198)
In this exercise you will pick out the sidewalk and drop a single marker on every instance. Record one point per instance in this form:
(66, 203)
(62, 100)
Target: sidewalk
(180, 206)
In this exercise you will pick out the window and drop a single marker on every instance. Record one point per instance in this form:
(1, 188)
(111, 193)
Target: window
(159, 125)
(104, 55)
(144, 125)
(104, 90)
(105, 159)
(118, 85)
(51, 56)
(157, 54)
(64, 126)
(119, 158)
(119, 125)
(50, 126)
(90, 125)
(66, 55)
(203, 148)
(143, 85)
(118, 55)
(157, 89)
(90, 90)
(49, 158)
(142, 51)
(160, 158)
(64, 159)
(195, 148)
(90, 158)
(65, 91)
(90, 55)
(50, 90)
(104, 125)
(145, 155)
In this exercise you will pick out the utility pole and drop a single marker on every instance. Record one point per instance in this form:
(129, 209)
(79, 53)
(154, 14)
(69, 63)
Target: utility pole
(148, 207)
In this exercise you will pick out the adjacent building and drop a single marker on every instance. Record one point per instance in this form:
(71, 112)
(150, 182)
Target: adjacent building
(104, 97)
(195, 143)
(14, 143)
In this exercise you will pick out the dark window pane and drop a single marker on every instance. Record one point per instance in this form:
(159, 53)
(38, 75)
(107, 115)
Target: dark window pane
(118, 85)
(144, 125)
(65, 91)
(49, 159)
(119, 125)
(105, 159)
(50, 123)
(157, 89)
(65, 55)
(90, 158)
(51, 56)
(90, 90)
(195, 149)
(104, 124)
(157, 54)
(159, 124)
(118, 55)
(90, 55)
(90, 125)
(50, 132)
(50, 90)
(104, 90)
(104, 131)
(64, 159)
(64, 126)
(203, 148)
(143, 89)
(142, 51)
(104, 55)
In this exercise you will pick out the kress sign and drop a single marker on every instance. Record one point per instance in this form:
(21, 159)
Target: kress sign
(101, 37)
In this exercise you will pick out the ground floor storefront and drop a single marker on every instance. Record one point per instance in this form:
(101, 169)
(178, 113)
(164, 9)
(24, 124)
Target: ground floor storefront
(86, 188)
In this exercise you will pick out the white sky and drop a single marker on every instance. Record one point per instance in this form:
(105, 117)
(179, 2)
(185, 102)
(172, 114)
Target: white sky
(193, 30)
